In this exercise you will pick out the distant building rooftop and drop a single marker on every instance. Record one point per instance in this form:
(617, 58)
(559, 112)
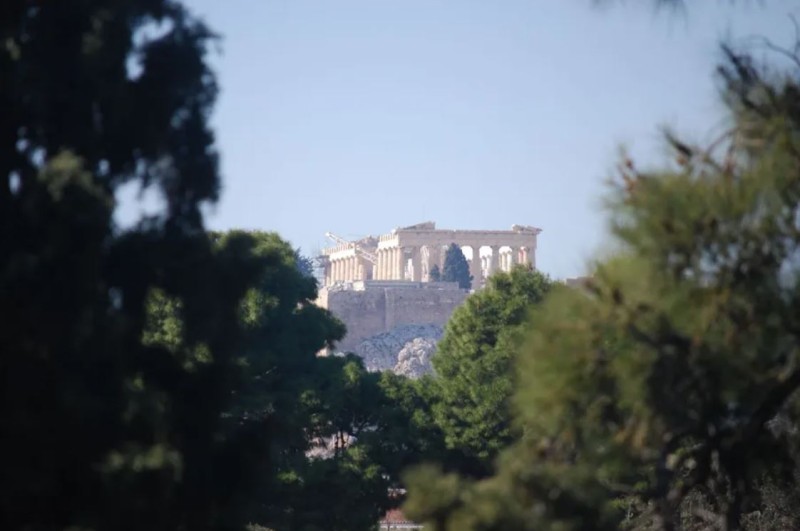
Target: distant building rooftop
(395, 519)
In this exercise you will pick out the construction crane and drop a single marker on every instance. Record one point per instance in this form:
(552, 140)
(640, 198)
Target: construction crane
(338, 239)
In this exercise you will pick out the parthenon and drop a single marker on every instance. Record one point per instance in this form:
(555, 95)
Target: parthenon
(409, 253)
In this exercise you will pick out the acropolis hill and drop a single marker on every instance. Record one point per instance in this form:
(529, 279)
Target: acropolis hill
(380, 286)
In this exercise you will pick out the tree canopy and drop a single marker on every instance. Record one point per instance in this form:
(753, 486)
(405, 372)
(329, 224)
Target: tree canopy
(159, 376)
(473, 364)
(653, 398)
(162, 377)
(363, 430)
(133, 399)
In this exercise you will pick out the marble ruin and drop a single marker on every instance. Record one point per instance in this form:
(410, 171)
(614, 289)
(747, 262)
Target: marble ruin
(409, 253)
(380, 288)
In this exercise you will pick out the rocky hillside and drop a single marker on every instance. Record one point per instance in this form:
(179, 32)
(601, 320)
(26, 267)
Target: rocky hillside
(405, 350)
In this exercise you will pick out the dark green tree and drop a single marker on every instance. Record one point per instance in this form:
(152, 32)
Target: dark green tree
(124, 353)
(456, 268)
(364, 429)
(405, 433)
(473, 365)
(655, 397)
(282, 333)
(326, 478)
(338, 435)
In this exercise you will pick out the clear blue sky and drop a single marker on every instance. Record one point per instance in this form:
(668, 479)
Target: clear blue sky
(358, 116)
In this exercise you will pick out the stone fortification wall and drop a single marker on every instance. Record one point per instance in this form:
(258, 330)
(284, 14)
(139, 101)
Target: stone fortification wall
(420, 306)
(362, 312)
(375, 307)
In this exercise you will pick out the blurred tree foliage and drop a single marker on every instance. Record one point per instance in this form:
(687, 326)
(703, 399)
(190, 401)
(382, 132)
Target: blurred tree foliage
(148, 373)
(363, 429)
(662, 396)
(282, 331)
(329, 438)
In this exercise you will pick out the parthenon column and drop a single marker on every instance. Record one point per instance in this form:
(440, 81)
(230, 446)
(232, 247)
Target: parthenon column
(435, 257)
(523, 255)
(398, 263)
(475, 267)
(530, 256)
(416, 264)
(387, 264)
(425, 263)
(514, 257)
(494, 261)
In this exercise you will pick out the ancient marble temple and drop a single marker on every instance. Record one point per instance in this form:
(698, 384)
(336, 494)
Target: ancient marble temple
(409, 253)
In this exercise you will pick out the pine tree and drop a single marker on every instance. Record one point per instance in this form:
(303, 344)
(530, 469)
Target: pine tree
(473, 365)
(456, 268)
(651, 398)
